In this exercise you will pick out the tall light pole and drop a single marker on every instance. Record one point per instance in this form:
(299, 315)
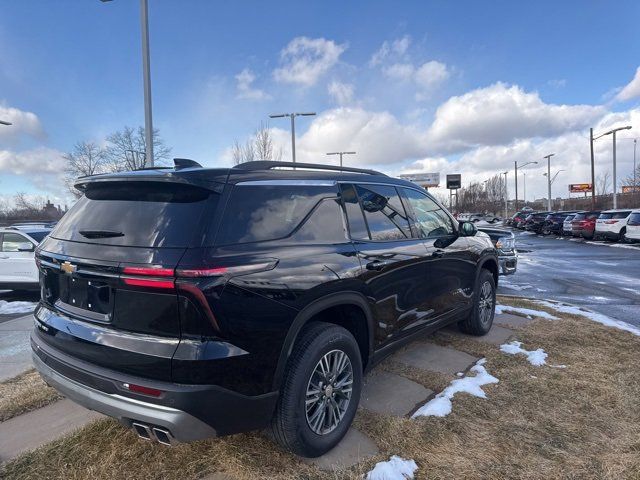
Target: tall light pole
(615, 186)
(552, 179)
(548, 157)
(341, 154)
(506, 194)
(146, 80)
(293, 128)
(524, 193)
(516, 179)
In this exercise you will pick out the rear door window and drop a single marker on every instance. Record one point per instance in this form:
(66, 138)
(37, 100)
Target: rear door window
(430, 219)
(256, 213)
(634, 219)
(384, 212)
(12, 242)
(136, 214)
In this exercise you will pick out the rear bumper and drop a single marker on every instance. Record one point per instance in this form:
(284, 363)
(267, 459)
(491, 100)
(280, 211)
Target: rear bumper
(188, 412)
(606, 234)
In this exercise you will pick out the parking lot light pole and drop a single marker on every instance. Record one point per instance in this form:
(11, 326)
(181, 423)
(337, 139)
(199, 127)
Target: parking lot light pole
(516, 179)
(506, 195)
(548, 157)
(341, 154)
(293, 128)
(615, 187)
(146, 81)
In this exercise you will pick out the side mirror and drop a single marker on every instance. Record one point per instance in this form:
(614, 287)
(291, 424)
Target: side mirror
(467, 229)
(26, 247)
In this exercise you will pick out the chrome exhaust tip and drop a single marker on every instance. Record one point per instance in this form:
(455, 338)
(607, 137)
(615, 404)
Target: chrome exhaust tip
(163, 436)
(143, 431)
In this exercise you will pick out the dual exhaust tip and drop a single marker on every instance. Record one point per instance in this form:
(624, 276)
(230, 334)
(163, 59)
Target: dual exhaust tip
(160, 435)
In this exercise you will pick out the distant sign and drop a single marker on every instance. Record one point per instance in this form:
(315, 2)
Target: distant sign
(580, 187)
(630, 189)
(454, 181)
(424, 179)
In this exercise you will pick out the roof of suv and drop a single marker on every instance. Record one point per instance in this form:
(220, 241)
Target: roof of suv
(249, 171)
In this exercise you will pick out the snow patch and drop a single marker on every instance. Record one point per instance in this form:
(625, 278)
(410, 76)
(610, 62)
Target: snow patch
(515, 287)
(528, 312)
(16, 307)
(536, 358)
(441, 405)
(594, 316)
(396, 468)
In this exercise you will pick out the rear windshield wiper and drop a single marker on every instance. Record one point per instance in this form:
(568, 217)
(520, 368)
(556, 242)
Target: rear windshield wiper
(100, 233)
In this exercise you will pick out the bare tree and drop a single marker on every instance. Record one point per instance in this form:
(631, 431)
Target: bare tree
(603, 183)
(125, 150)
(87, 158)
(259, 147)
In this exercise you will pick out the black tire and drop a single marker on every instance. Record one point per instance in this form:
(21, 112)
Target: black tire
(290, 425)
(623, 235)
(479, 322)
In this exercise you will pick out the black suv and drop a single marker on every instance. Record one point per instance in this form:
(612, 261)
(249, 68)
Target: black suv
(191, 302)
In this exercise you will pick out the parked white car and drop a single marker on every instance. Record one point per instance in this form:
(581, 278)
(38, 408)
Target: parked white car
(611, 224)
(18, 269)
(633, 227)
(566, 224)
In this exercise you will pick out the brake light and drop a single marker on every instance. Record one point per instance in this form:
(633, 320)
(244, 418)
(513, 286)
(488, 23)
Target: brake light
(163, 282)
(154, 392)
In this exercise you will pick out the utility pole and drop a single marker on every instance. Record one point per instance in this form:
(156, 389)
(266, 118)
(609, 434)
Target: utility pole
(593, 174)
(293, 128)
(615, 181)
(341, 154)
(506, 194)
(524, 193)
(548, 157)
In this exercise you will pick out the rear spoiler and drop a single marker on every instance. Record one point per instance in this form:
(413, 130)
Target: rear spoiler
(152, 176)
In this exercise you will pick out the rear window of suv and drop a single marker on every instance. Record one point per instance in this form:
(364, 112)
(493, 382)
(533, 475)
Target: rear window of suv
(306, 213)
(136, 214)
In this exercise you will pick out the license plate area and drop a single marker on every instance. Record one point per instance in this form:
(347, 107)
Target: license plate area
(86, 297)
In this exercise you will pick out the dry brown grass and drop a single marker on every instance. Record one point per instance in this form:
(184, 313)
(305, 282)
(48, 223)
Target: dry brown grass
(24, 393)
(537, 423)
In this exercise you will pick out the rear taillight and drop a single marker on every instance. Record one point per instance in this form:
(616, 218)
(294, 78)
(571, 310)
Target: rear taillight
(226, 271)
(609, 222)
(150, 277)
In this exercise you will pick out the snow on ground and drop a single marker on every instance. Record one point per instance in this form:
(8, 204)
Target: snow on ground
(595, 316)
(529, 312)
(513, 286)
(536, 358)
(396, 468)
(441, 405)
(16, 307)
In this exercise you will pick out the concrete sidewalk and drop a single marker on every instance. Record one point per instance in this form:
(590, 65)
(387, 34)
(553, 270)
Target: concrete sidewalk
(15, 351)
(31, 430)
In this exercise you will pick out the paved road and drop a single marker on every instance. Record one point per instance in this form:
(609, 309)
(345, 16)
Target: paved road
(604, 277)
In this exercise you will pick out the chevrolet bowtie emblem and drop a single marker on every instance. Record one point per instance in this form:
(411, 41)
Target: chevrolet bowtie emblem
(68, 267)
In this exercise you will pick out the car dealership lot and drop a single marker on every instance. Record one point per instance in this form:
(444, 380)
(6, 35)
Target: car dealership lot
(600, 276)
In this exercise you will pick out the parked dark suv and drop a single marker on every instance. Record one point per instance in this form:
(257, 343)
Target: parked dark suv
(191, 302)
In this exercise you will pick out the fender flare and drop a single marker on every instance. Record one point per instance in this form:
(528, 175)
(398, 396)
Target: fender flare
(302, 318)
(486, 258)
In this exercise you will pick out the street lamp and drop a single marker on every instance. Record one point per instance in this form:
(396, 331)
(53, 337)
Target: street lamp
(615, 187)
(551, 181)
(524, 192)
(146, 79)
(293, 128)
(548, 157)
(341, 154)
(506, 194)
(516, 179)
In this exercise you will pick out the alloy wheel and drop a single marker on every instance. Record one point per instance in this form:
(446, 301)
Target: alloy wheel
(485, 303)
(329, 392)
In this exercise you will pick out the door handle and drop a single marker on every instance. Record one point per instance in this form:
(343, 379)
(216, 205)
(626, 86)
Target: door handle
(438, 254)
(377, 265)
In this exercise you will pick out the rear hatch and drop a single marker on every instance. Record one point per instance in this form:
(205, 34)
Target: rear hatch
(107, 274)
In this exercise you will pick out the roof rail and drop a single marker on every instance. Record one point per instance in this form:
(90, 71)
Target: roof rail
(268, 165)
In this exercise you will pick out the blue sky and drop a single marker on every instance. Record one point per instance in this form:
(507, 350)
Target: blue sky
(460, 86)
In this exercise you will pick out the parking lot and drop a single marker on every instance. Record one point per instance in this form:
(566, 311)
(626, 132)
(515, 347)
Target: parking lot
(600, 276)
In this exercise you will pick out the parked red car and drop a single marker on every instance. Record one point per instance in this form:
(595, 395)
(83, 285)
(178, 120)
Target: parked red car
(584, 224)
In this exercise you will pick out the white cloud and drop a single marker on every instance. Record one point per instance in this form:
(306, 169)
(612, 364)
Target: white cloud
(431, 74)
(245, 87)
(400, 71)
(37, 160)
(558, 82)
(397, 47)
(23, 123)
(304, 60)
(377, 137)
(631, 90)
(342, 93)
(499, 114)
